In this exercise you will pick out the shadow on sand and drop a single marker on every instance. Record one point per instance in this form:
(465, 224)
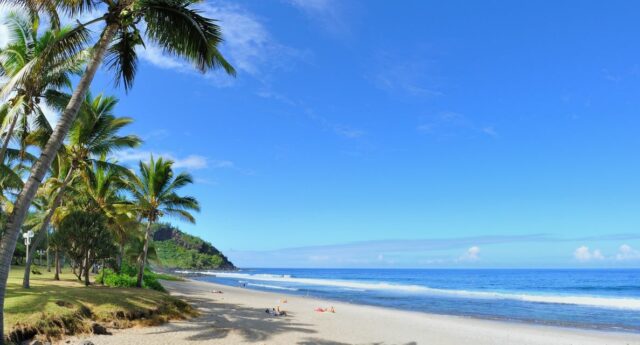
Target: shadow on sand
(220, 319)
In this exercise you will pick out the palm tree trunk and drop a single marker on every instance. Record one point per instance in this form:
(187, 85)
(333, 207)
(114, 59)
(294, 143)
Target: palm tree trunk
(121, 257)
(5, 144)
(48, 260)
(57, 264)
(87, 267)
(45, 226)
(145, 249)
(39, 169)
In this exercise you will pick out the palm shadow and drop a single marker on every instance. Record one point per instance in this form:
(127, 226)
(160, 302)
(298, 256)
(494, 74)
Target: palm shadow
(219, 319)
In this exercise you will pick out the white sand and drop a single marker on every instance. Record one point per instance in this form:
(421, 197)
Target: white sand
(237, 317)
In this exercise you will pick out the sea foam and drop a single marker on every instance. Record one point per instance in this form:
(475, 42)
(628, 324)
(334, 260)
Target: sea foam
(592, 301)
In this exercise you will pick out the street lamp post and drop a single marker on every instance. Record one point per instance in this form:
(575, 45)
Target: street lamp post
(27, 241)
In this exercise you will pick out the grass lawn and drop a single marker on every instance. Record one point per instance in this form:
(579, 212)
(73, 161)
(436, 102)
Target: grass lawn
(53, 308)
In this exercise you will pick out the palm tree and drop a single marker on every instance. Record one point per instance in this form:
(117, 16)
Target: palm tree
(94, 134)
(33, 63)
(105, 187)
(154, 195)
(174, 25)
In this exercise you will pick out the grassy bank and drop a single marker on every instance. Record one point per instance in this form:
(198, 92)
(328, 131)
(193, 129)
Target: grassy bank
(52, 309)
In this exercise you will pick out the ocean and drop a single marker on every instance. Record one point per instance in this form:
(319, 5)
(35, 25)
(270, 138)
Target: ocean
(595, 299)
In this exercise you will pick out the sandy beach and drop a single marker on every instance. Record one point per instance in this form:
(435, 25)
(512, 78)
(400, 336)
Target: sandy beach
(237, 316)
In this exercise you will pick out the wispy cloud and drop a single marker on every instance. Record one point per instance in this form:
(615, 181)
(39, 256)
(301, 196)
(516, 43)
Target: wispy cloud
(156, 134)
(441, 252)
(611, 76)
(190, 162)
(337, 128)
(248, 45)
(340, 129)
(450, 123)
(368, 253)
(402, 76)
(328, 14)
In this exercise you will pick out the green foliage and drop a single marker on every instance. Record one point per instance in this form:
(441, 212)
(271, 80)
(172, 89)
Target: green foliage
(172, 255)
(84, 238)
(127, 278)
(176, 249)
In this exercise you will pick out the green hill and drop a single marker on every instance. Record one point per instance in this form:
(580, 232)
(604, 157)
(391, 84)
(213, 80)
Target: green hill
(176, 249)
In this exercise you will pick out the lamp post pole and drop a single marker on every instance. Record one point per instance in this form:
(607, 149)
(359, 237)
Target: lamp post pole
(27, 241)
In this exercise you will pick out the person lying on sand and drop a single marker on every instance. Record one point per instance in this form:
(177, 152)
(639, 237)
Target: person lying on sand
(216, 291)
(327, 310)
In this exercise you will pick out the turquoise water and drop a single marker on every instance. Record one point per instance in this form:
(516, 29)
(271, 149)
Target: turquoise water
(599, 299)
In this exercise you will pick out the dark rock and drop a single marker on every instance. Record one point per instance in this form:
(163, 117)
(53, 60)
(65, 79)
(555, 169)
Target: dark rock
(86, 342)
(97, 328)
(36, 342)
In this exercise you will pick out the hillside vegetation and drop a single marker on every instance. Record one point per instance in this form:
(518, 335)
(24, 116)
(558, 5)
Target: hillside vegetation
(176, 249)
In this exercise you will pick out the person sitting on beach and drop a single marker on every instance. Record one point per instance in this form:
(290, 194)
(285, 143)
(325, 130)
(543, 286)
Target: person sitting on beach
(276, 312)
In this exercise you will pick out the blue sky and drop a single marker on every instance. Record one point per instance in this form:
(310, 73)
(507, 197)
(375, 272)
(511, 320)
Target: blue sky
(413, 134)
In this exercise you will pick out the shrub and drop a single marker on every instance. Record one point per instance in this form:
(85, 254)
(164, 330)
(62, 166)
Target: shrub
(128, 278)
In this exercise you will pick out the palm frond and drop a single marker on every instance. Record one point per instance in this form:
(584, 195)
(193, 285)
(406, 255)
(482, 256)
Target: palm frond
(122, 58)
(182, 31)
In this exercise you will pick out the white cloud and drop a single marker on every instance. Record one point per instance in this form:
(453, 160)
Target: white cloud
(51, 115)
(625, 252)
(248, 45)
(222, 164)
(405, 76)
(472, 254)
(489, 130)
(4, 34)
(4, 30)
(191, 162)
(584, 254)
(450, 123)
(329, 14)
(154, 55)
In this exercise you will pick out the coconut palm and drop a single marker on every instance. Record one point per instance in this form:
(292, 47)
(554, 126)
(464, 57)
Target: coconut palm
(33, 63)
(174, 25)
(154, 196)
(105, 186)
(49, 198)
(94, 134)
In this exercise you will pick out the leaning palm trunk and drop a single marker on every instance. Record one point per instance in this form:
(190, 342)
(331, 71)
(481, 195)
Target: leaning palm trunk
(45, 225)
(39, 169)
(7, 139)
(145, 249)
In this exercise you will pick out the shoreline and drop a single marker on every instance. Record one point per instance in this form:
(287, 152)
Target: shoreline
(237, 316)
(531, 322)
